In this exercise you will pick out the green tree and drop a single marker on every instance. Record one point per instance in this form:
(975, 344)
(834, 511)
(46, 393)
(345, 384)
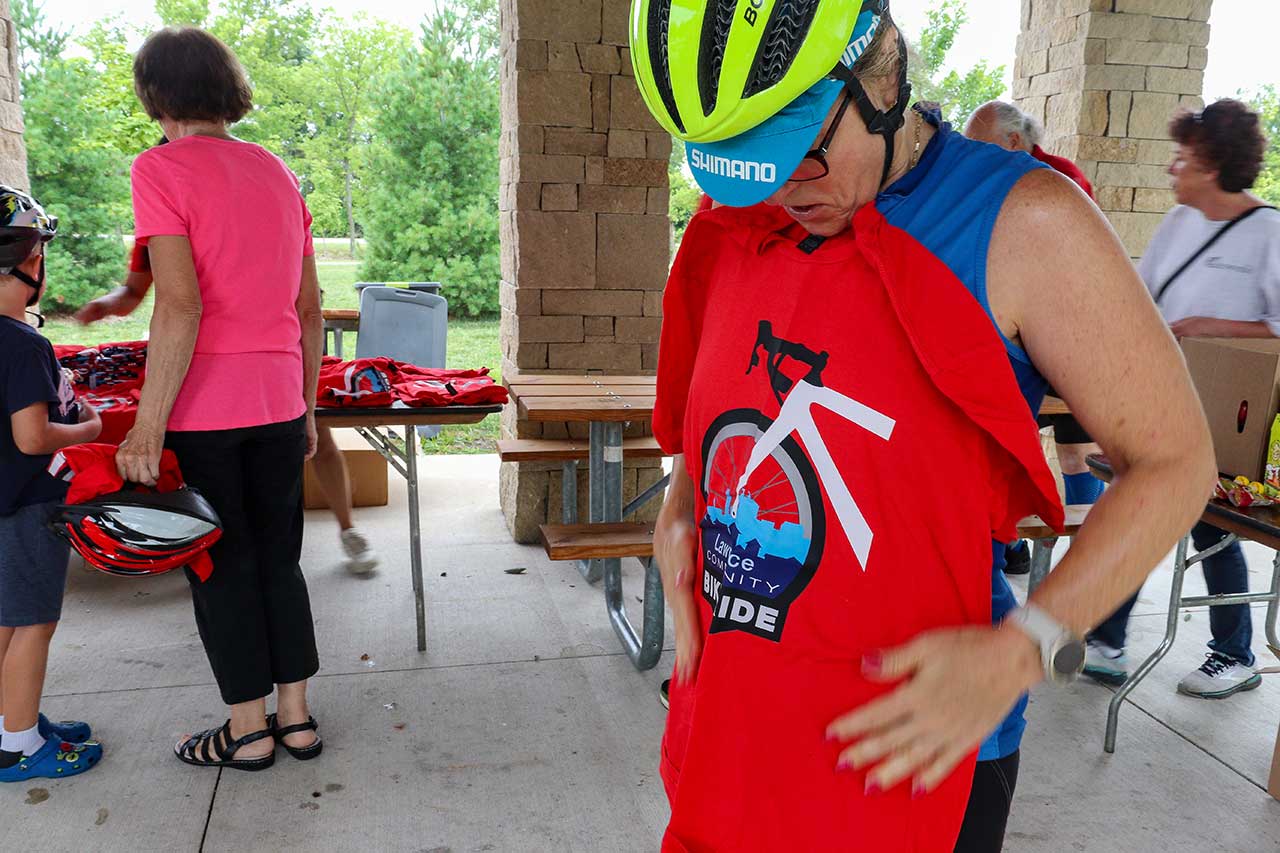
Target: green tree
(432, 182)
(275, 42)
(685, 193)
(1267, 102)
(129, 130)
(75, 170)
(352, 58)
(183, 13)
(959, 94)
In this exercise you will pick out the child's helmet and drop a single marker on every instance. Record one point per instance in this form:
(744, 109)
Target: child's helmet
(24, 224)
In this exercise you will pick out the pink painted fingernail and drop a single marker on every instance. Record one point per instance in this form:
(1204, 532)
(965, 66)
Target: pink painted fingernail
(832, 737)
(844, 764)
(918, 790)
(872, 661)
(872, 788)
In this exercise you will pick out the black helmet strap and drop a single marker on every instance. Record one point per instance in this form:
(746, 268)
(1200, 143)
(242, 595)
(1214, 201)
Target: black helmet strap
(34, 283)
(882, 123)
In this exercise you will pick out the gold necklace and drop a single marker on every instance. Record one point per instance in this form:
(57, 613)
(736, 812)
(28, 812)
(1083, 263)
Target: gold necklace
(915, 155)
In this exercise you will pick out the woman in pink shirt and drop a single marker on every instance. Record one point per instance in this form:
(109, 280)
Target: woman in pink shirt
(234, 355)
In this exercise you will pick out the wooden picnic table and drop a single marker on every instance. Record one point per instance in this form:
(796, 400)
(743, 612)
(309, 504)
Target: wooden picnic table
(1258, 524)
(605, 403)
(584, 399)
(1054, 406)
(339, 320)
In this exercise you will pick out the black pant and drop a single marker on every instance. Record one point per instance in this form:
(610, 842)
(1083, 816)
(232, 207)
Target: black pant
(253, 612)
(989, 802)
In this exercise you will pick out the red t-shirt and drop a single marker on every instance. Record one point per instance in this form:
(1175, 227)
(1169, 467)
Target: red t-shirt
(1065, 166)
(857, 438)
(139, 258)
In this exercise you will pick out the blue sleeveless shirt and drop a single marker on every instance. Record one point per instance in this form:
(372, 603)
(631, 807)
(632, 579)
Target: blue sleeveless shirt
(949, 203)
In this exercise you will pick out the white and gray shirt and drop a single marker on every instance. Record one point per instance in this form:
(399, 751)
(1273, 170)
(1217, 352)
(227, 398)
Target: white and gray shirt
(1238, 278)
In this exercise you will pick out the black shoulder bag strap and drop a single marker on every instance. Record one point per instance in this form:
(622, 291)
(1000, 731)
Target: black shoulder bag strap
(1222, 232)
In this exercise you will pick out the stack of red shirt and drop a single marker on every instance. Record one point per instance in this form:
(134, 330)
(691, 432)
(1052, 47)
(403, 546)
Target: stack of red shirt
(109, 378)
(382, 382)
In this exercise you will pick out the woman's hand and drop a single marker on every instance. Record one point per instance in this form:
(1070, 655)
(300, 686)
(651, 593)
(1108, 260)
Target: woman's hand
(1214, 327)
(675, 542)
(313, 436)
(1197, 327)
(957, 684)
(138, 459)
(118, 303)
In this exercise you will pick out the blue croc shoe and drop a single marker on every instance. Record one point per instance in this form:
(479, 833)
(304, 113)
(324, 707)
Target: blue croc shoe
(68, 730)
(55, 760)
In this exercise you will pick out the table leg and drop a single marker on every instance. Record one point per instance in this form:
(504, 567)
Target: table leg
(644, 650)
(644, 653)
(415, 533)
(1170, 631)
(337, 342)
(593, 570)
(1041, 556)
(1273, 606)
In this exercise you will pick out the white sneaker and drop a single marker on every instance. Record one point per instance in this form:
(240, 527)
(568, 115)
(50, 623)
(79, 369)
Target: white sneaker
(1219, 677)
(361, 559)
(1105, 664)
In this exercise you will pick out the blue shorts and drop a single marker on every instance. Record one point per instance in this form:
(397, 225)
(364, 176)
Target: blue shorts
(33, 568)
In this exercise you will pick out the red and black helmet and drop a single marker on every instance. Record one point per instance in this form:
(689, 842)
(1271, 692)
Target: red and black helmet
(133, 533)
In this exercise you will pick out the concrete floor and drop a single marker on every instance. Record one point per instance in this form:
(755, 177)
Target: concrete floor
(523, 728)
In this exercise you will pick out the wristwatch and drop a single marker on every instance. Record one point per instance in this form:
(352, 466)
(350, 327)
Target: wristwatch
(1061, 652)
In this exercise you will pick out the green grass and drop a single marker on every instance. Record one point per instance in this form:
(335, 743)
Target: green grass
(472, 343)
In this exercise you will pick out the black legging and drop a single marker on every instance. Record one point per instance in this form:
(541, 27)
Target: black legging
(253, 612)
(987, 814)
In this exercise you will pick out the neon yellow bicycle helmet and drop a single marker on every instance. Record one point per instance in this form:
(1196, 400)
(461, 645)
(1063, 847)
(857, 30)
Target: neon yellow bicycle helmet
(747, 84)
(712, 69)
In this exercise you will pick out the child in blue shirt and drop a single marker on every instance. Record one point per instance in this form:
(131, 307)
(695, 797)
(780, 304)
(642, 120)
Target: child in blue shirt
(39, 418)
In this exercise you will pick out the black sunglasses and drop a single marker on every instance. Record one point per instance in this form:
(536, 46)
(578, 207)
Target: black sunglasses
(814, 165)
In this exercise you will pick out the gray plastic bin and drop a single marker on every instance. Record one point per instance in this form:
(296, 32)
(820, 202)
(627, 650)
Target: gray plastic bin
(406, 325)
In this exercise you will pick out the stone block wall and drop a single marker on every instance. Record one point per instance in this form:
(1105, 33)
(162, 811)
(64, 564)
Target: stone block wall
(584, 225)
(13, 152)
(1106, 76)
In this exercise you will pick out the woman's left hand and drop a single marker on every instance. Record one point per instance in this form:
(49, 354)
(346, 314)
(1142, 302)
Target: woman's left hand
(1200, 327)
(312, 436)
(138, 459)
(957, 684)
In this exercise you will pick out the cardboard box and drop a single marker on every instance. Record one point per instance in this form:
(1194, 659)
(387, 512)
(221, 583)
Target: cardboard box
(366, 469)
(1239, 384)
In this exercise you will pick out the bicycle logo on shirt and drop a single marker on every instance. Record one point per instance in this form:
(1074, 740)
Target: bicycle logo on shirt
(765, 526)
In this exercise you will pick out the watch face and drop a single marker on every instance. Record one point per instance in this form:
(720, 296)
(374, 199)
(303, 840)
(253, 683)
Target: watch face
(1069, 660)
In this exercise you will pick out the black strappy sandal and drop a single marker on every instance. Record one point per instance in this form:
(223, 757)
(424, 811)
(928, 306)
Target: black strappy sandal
(215, 748)
(303, 753)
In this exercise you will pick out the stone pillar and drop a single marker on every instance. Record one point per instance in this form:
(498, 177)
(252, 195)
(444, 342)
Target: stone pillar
(13, 152)
(1106, 76)
(584, 226)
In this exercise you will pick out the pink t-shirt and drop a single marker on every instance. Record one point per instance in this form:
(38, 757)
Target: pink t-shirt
(249, 228)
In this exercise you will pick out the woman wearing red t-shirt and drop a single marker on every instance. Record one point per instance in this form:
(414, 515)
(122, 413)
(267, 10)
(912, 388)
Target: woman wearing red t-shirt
(853, 346)
(232, 364)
